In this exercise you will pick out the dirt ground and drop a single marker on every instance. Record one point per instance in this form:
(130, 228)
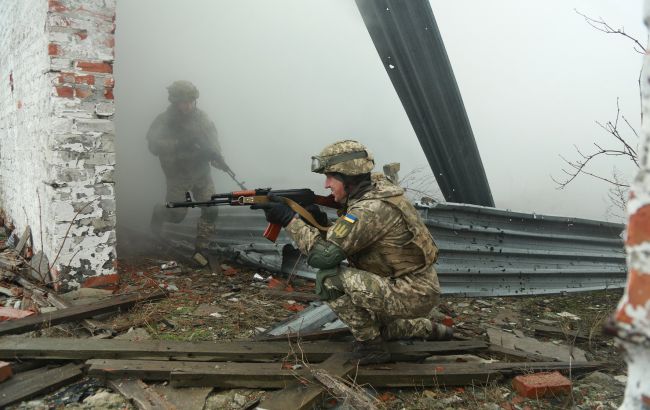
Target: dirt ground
(205, 306)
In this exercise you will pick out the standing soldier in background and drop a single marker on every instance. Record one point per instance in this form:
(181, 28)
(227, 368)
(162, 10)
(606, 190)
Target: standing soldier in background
(390, 289)
(185, 141)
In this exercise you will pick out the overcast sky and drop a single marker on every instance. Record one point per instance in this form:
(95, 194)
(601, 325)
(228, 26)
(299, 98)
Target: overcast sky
(282, 79)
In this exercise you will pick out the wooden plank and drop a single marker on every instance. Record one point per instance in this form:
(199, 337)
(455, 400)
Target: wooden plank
(314, 335)
(317, 351)
(298, 296)
(140, 394)
(40, 381)
(302, 395)
(558, 333)
(460, 374)
(75, 313)
(505, 353)
(356, 398)
(44, 297)
(274, 376)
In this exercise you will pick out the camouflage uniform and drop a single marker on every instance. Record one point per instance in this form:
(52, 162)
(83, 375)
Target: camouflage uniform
(391, 286)
(186, 144)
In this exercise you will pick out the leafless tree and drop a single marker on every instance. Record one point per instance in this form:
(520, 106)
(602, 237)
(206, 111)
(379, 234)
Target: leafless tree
(623, 141)
(419, 185)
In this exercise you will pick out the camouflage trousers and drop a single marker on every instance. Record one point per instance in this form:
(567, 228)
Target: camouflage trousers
(396, 308)
(202, 189)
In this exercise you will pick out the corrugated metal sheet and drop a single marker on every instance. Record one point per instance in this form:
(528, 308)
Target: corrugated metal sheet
(483, 251)
(411, 49)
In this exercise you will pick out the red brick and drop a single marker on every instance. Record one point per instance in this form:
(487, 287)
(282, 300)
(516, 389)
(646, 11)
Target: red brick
(5, 371)
(53, 49)
(66, 78)
(7, 313)
(104, 282)
(109, 82)
(65, 92)
(85, 79)
(541, 384)
(82, 92)
(82, 34)
(638, 229)
(56, 5)
(638, 294)
(95, 67)
(108, 93)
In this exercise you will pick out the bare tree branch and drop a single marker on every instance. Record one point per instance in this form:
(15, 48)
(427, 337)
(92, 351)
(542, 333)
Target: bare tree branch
(601, 25)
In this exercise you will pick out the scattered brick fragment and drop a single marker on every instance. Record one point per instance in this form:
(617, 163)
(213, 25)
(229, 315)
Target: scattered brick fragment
(5, 371)
(541, 384)
(7, 313)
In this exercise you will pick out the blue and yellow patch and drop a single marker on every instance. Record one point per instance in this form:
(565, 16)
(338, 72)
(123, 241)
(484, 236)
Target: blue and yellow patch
(343, 226)
(350, 218)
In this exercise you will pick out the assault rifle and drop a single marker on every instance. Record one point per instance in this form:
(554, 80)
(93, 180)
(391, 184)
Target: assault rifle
(296, 199)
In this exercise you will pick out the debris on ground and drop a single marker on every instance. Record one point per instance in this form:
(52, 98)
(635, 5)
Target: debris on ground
(165, 330)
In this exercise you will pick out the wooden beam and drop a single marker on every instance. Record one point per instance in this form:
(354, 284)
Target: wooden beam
(317, 351)
(298, 296)
(37, 381)
(558, 333)
(302, 393)
(505, 353)
(75, 313)
(313, 335)
(140, 394)
(44, 297)
(275, 376)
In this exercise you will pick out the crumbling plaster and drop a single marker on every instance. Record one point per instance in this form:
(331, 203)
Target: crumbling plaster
(57, 137)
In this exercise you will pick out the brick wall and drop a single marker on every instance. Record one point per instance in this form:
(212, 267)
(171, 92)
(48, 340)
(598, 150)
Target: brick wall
(56, 130)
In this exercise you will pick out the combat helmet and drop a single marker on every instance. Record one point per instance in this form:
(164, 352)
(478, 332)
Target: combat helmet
(182, 91)
(346, 157)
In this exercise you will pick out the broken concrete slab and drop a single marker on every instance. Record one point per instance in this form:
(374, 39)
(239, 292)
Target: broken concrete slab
(528, 344)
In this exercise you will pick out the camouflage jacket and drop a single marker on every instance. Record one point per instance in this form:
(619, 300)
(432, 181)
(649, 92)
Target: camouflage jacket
(184, 144)
(381, 232)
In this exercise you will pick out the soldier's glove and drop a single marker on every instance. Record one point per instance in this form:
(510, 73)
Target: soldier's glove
(276, 212)
(334, 287)
(319, 216)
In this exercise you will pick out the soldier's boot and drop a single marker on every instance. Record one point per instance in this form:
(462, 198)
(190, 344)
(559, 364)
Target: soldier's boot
(440, 332)
(371, 351)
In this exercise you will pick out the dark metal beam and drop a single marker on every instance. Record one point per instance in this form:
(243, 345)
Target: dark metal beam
(411, 49)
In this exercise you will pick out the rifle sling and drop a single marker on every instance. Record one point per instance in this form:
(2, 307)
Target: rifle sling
(296, 208)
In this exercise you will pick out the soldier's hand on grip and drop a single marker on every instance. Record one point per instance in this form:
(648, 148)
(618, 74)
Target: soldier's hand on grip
(318, 214)
(276, 212)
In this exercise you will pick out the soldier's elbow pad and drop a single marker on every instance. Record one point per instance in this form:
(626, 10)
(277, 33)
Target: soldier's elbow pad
(325, 255)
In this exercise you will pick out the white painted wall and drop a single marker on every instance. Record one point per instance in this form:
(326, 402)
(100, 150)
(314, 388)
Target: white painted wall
(56, 130)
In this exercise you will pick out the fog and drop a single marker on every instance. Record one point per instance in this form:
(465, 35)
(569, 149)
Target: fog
(282, 79)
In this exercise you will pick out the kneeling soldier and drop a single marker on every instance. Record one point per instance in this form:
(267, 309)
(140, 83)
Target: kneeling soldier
(391, 287)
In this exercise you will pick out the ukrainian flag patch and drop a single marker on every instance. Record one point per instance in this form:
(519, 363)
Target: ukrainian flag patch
(343, 226)
(350, 218)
